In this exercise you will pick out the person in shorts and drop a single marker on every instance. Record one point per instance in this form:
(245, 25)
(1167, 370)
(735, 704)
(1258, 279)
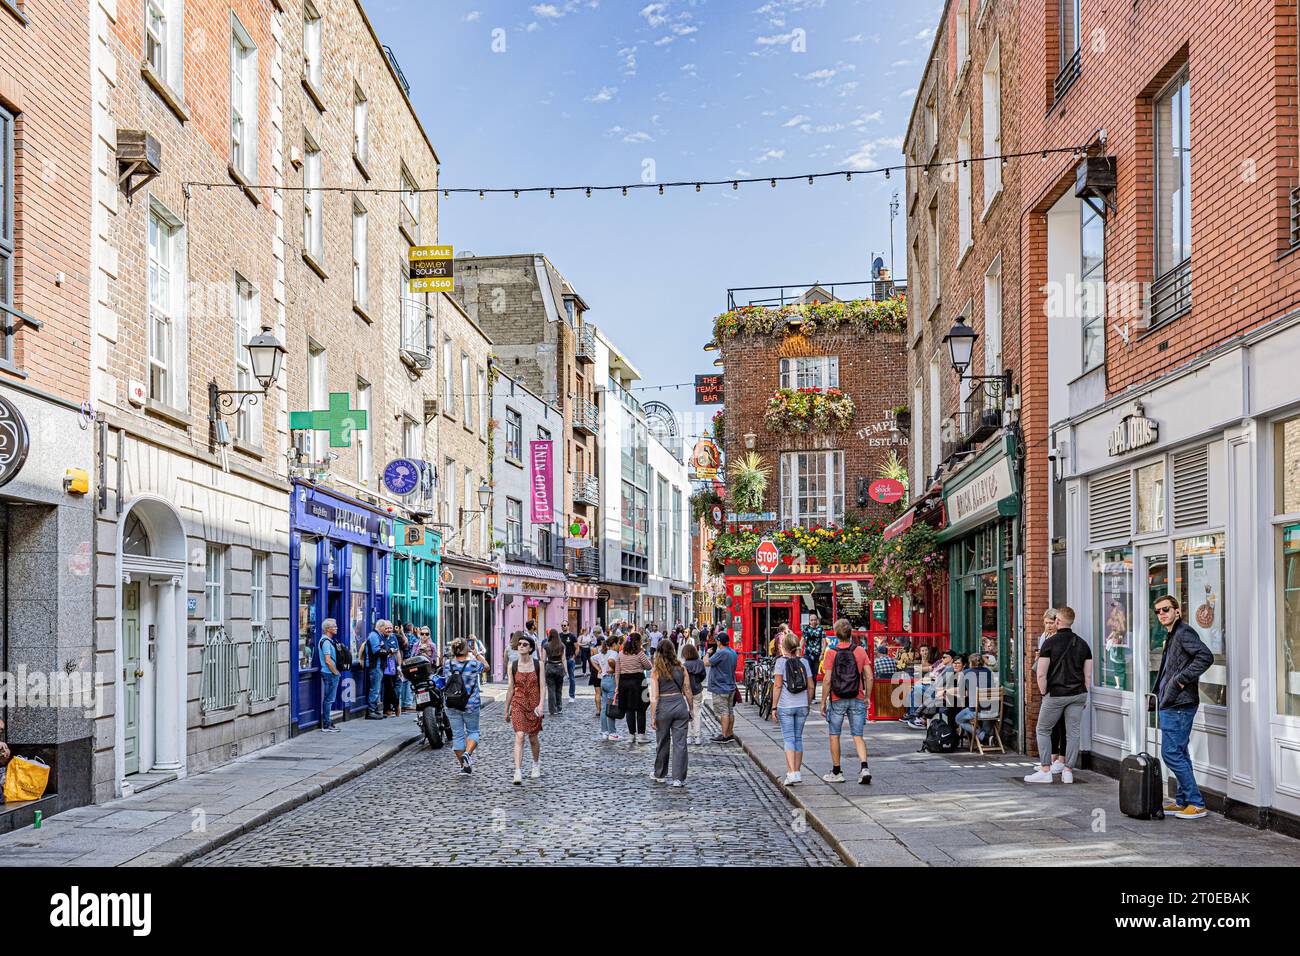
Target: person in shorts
(835, 709)
(721, 662)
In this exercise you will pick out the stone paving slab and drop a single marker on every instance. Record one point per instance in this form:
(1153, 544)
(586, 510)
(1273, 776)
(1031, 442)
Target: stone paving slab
(959, 809)
(163, 826)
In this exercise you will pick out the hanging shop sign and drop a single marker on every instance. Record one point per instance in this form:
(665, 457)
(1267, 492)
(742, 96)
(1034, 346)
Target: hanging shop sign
(751, 516)
(540, 458)
(886, 490)
(1133, 431)
(579, 534)
(431, 269)
(716, 514)
(706, 460)
(983, 490)
(708, 390)
(782, 589)
(402, 476)
(15, 441)
(339, 420)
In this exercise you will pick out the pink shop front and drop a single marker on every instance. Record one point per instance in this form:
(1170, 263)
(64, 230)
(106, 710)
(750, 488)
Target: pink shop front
(527, 594)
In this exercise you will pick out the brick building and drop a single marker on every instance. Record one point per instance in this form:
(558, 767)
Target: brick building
(963, 219)
(45, 289)
(1170, 397)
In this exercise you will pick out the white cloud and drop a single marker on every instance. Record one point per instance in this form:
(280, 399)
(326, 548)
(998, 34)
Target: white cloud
(924, 34)
(856, 38)
(908, 93)
(682, 29)
(826, 74)
(777, 40)
(689, 70)
(471, 16)
(640, 136)
(863, 120)
(604, 95)
(533, 27)
(654, 13)
(865, 156)
(898, 63)
(796, 120)
(743, 173)
(664, 41)
(547, 11)
(846, 89)
(771, 154)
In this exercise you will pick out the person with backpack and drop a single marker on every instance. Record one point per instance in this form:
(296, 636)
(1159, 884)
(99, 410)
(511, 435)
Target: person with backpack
(793, 689)
(372, 658)
(609, 688)
(697, 672)
(524, 707)
(850, 684)
(1064, 674)
(461, 695)
(670, 712)
(330, 673)
(1178, 696)
(555, 652)
(814, 645)
(721, 662)
(570, 658)
(629, 693)
(391, 666)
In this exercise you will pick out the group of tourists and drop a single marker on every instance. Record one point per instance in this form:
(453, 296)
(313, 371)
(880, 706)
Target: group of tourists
(388, 692)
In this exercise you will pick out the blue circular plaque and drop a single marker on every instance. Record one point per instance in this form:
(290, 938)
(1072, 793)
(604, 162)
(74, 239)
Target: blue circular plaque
(402, 476)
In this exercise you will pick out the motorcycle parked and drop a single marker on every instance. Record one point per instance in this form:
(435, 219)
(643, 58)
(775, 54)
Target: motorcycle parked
(429, 702)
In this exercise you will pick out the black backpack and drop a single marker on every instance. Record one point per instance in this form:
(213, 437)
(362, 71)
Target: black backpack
(846, 679)
(455, 694)
(940, 738)
(342, 656)
(796, 680)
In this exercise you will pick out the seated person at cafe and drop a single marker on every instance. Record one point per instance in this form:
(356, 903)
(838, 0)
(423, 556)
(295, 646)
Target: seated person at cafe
(950, 684)
(923, 687)
(885, 666)
(975, 679)
(990, 653)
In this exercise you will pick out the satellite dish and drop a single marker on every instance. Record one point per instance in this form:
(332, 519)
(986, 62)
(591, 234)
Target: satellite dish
(876, 265)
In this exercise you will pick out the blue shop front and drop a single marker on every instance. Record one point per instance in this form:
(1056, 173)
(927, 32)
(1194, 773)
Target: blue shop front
(339, 555)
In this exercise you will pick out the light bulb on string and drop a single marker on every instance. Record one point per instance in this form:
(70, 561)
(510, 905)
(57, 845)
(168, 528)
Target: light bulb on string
(774, 184)
(810, 180)
(552, 193)
(661, 189)
(588, 192)
(886, 172)
(697, 187)
(516, 193)
(848, 177)
(624, 190)
(735, 185)
(480, 194)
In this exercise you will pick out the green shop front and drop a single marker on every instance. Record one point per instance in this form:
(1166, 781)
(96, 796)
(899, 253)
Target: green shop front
(413, 584)
(985, 570)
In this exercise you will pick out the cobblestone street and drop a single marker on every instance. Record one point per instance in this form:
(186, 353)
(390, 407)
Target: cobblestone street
(595, 803)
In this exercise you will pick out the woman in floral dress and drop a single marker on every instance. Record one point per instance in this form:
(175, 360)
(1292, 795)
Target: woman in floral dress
(524, 707)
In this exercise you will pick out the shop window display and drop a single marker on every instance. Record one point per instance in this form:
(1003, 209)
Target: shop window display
(1112, 576)
(1199, 565)
(1288, 624)
(307, 624)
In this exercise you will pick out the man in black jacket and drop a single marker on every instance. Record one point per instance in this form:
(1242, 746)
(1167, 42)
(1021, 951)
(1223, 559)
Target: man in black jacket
(1178, 696)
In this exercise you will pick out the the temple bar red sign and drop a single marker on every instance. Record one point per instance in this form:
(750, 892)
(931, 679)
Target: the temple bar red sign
(708, 390)
(540, 458)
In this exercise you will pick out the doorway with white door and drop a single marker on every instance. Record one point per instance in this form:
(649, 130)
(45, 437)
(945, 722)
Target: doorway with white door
(150, 698)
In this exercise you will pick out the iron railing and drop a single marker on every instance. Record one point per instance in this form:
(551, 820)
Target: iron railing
(585, 562)
(586, 489)
(779, 295)
(982, 414)
(1171, 294)
(1295, 216)
(586, 416)
(220, 672)
(586, 349)
(263, 668)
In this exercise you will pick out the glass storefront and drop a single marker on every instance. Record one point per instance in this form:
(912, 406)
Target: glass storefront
(1112, 605)
(1199, 571)
(1288, 624)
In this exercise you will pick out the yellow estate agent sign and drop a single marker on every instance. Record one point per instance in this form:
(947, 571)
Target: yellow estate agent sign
(431, 269)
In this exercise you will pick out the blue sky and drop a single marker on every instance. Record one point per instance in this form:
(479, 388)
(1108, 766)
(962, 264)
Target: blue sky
(577, 92)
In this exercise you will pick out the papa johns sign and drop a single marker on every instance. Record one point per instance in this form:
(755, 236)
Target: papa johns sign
(1132, 432)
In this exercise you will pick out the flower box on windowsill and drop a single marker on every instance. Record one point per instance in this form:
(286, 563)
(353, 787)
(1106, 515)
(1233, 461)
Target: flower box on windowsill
(808, 410)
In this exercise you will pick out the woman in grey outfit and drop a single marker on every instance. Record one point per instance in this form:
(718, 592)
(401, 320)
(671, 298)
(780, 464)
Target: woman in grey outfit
(670, 713)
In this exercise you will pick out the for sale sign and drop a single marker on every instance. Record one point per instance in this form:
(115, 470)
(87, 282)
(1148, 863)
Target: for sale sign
(767, 556)
(431, 269)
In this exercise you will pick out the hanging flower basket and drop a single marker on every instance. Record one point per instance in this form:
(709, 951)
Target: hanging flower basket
(859, 315)
(808, 410)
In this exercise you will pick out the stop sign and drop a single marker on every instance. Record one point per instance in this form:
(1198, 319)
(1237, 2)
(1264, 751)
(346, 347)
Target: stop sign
(767, 556)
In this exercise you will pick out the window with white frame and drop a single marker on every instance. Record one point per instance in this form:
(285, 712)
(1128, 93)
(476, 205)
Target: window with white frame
(164, 46)
(676, 570)
(482, 404)
(965, 385)
(1092, 285)
(258, 613)
(1173, 169)
(312, 36)
(410, 197)
(467, 403)
(918, 441)
(414, 338)
(6, 231)
(360, 124)
(411, 447)
(362, 436)
(360, 255)
(313, 229)
(514, 525)
(243, 100)
(812, 488)
(514, 435)
(993, 318)
(214, 589)
(247, 307)
(317, 443)
(1067, 33)
(661, 520)
(992, 123)
(166, 309)
(448, 378)
(933, 236)
(449, 473)
(962, 31)
(963, 188)
(931, 126)
(467, 490)
(936, 416)
(818, 371)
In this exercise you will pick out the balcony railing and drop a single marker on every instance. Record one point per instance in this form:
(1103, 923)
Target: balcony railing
(982, 414)
(1171, 294)
(585, 562)
(532, 556)
(779, 295)
(586, 351)
(1065, 79)
(586, 489)
(586, 417)
(1295, 216)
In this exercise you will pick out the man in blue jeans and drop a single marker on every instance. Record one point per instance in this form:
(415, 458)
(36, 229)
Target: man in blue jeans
(374, 661)
(329, 674)
(1178, 695)
(847, 697)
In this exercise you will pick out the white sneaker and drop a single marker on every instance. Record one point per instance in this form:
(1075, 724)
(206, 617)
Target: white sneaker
(679, 783)
(791, 778)
(833, 777)
(1057, 766)
(519, 777)
(658, 779)
(536, 771)
(1067, 776)
(1038, 776)
(602, 736)
(613, 737)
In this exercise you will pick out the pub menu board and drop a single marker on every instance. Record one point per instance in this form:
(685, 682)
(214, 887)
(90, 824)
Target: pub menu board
(853, 601)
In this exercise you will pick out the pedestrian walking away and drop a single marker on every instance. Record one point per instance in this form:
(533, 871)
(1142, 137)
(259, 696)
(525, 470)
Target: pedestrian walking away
(1058, 731)
(554, 652)
(391, 649)
(524, 707)
(570, 659)
(461, 693)
(848, 687)
(793, 689)
(670, 713)
(1064, 674)
(585, 647)
(373, 660)
(1178, 696)
(721, 662)
(632, 694)
(698, 674)
(327, 649)
(609, 688)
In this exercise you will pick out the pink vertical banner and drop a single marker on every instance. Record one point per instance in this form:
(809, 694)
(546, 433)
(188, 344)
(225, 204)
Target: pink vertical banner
(540, 456)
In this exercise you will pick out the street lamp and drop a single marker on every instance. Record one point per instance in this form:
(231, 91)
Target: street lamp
(266, 356)
(961, 343)
(711, 345)
(718, 361)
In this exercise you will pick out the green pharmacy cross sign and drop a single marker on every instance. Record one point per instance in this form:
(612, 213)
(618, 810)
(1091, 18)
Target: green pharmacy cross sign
(339, 420)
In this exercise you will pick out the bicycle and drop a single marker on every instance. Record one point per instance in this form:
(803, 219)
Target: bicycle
(766, 678)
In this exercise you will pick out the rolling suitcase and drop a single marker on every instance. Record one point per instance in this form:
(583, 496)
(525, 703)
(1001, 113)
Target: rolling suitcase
(1141, 784)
